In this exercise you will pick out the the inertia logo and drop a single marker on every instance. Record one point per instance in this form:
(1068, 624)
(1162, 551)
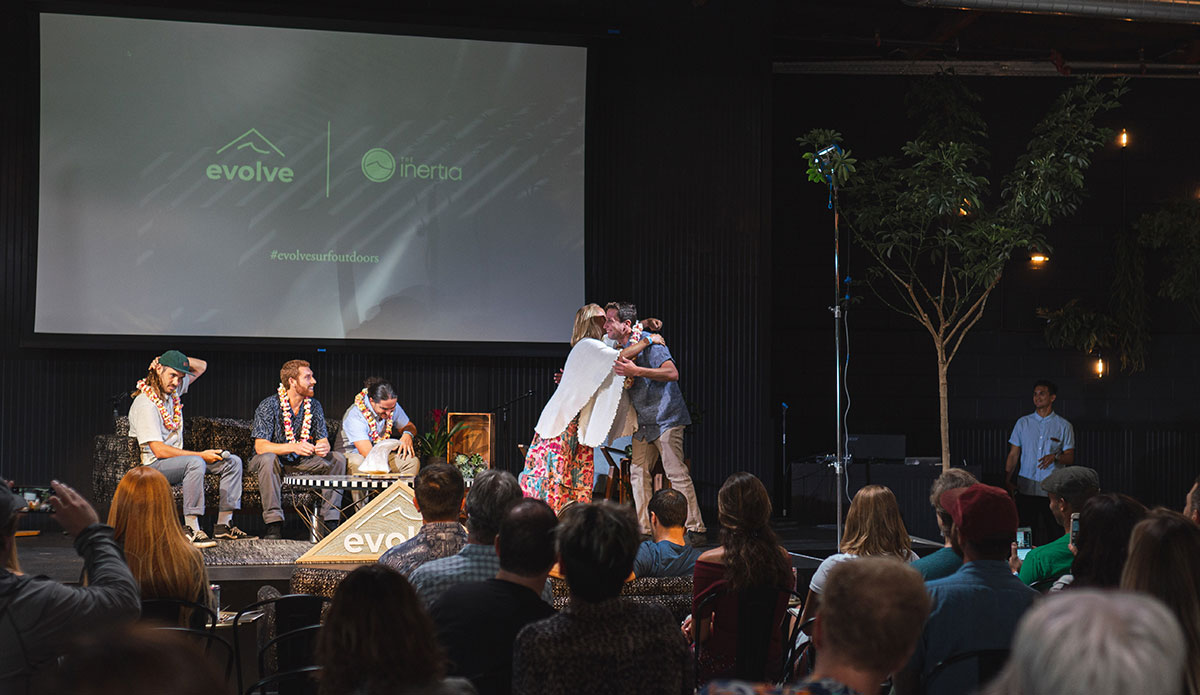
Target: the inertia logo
(254, 141)
(379, 165)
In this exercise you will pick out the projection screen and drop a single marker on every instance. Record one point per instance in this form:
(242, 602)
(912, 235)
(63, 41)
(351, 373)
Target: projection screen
(203, 179)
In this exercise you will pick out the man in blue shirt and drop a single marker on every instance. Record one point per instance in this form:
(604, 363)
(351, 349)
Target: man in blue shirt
(976, 608)
(662, 415)
(668, 554)
(1040, 442)
(290, 434)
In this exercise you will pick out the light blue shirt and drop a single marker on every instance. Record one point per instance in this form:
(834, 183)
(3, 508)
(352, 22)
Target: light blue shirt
(1039, 436)
(356, 429)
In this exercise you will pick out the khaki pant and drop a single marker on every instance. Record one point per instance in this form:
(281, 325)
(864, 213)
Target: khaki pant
(669, 446)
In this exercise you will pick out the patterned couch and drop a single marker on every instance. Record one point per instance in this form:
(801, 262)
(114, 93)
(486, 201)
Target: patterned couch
(675, 593)
(116, 453)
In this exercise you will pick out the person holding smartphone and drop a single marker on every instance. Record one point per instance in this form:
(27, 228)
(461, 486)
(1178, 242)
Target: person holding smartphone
(1040, 443)
(1067, 490)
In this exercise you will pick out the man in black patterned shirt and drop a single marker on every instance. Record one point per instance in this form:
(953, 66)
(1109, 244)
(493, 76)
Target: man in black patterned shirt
(290, 434)
(601, 642)
(438, 493)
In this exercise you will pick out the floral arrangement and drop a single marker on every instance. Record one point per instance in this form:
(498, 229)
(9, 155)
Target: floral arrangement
(436, 439)
(471, 465)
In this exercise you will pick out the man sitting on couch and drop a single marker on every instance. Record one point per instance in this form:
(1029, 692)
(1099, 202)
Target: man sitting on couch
(289, 434)
(156, 421)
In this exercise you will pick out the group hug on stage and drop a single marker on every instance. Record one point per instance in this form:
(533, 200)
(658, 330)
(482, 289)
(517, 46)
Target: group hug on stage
(619, 379)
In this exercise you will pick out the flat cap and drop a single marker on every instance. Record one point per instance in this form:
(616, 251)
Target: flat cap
(1069, 481)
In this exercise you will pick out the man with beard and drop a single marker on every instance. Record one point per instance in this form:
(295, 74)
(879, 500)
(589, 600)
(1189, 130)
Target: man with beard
(156, 421)
(290, 435)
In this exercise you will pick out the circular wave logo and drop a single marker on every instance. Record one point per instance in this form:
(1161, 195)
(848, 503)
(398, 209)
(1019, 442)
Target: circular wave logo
(378, 165)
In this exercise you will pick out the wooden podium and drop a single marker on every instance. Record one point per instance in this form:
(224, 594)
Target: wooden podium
(478, 437)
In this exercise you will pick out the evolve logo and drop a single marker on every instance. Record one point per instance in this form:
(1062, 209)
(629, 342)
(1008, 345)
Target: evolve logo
(254, 141)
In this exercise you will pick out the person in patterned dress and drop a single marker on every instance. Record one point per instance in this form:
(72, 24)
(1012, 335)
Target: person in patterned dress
(560, 469)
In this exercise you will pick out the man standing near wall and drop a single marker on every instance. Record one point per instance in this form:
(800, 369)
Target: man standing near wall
(1040, 442)
(661, 414)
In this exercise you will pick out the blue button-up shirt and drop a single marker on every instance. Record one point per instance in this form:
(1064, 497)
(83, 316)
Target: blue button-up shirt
(268, 424)
(659, 404)
(476, 562)
(1039, 436)
(977, 607)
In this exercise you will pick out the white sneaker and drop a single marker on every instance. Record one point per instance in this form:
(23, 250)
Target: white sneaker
(199, 538)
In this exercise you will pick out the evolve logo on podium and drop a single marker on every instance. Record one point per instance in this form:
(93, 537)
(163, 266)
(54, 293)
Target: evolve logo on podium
(388, 520)
(255, 142)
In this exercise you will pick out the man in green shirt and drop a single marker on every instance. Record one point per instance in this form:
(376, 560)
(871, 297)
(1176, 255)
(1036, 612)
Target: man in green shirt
(1067, 490)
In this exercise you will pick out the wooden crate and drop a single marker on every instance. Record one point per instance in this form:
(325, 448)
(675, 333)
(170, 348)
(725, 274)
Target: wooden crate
(478, 437)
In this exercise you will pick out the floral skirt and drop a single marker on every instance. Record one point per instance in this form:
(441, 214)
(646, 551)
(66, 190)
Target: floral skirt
(559, 470)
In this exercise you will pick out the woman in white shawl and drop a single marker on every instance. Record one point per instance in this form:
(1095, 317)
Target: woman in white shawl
(589, 405)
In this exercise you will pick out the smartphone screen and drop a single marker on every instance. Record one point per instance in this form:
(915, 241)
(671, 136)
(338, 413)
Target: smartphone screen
(37, 499)
(1075, 527)
(1024, 541)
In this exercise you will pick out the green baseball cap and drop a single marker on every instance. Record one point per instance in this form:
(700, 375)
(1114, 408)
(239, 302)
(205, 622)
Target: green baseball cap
(175, 360)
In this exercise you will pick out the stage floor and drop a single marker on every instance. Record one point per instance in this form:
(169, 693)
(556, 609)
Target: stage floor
(52, 554)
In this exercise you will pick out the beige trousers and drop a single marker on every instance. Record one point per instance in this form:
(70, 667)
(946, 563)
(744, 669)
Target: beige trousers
(669, 446)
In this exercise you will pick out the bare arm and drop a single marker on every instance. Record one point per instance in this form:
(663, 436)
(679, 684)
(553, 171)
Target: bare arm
(1010, 466)
(198, 366)
(165, 451)
(1067, 458)
(811, 603)
(635, 349)
(263, 446)
(667, 372)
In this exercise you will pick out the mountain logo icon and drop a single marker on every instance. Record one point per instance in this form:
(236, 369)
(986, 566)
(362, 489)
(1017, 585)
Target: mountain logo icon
(253, 140)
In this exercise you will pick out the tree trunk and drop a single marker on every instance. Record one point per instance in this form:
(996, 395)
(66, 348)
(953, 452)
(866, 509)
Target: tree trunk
(944, 406)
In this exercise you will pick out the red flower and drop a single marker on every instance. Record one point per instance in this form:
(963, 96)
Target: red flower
(438, 415)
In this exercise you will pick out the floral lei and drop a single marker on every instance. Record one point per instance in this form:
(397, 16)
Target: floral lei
(172, 421)
(360, 401)
(286, 407)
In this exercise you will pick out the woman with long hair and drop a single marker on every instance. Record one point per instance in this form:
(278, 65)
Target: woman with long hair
(749, 562)
(162, 560)
(560, 468)
(1164, 561)
(1105, 525)
(873, 528)
(377, 639)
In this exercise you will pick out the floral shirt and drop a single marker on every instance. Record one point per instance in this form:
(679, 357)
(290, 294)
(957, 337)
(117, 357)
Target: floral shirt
(268, 424)
(433, 541)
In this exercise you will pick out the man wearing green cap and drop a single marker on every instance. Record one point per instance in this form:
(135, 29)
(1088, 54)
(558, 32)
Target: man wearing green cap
(156, 421)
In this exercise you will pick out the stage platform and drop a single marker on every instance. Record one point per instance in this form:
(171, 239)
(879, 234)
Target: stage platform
(241, 567)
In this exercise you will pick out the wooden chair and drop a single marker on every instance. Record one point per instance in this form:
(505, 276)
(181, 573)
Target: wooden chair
(618, 487)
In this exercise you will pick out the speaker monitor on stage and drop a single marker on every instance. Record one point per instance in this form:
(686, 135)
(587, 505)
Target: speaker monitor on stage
(389, 519)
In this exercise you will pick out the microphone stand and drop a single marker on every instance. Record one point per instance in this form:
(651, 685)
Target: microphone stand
(501, 428)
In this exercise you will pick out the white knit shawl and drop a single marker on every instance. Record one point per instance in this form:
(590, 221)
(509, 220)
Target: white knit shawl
(590, 389)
